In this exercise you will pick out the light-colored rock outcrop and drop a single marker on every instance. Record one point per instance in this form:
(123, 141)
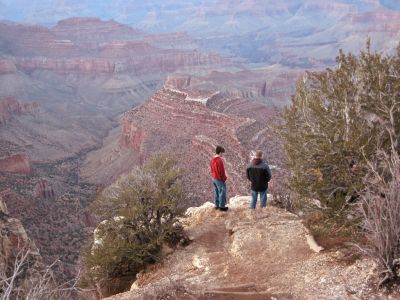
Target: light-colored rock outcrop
(250, 254)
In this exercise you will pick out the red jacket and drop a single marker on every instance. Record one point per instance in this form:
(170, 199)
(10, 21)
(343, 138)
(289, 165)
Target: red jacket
(217, 169)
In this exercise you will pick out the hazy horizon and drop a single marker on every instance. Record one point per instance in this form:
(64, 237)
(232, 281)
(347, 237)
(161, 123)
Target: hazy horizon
(145, 14)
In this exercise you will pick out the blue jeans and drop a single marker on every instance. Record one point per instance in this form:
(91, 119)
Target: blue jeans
(254, 196)
(219, 193)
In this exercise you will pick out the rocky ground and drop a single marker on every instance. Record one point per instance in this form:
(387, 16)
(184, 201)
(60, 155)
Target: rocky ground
(245, 254)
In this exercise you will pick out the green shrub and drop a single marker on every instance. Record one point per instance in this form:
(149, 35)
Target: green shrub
(141, 213)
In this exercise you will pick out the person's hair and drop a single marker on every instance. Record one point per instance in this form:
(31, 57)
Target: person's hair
(219, 149)
(259, 154)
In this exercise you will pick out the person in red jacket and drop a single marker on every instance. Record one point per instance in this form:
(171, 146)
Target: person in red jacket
(219, 179)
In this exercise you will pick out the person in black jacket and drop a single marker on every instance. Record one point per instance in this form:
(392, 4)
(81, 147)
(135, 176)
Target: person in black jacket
(259, 173)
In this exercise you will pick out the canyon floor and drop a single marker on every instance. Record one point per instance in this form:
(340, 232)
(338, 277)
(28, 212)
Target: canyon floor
(246, 254)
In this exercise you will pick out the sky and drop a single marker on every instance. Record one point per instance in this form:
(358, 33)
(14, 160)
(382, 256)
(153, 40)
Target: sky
(391, 4)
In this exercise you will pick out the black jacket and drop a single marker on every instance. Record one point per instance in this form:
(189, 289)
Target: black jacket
(259, 174)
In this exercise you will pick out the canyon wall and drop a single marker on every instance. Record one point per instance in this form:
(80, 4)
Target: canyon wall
(62, 90)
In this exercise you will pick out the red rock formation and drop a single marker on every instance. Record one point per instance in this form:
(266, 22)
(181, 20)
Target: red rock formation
(44, 190)
(128, 60)
(10, 106)
(18, 163)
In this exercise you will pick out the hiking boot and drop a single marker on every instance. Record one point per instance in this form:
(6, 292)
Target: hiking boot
(224, 208)
(216, 207)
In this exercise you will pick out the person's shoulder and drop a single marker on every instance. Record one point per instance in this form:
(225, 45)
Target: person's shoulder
(265, 164)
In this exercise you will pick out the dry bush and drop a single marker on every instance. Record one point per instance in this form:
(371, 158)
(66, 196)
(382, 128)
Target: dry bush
(24, 281)
(282, 195)
(380, 207)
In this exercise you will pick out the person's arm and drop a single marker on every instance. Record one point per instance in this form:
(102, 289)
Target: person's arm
(268, 173)
(221, 170)
(248, 173)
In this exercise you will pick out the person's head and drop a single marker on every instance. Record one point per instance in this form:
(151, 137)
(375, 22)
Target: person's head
(259, 154)
(219, 150)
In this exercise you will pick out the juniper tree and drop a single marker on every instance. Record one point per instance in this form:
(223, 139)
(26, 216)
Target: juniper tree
(333, 123)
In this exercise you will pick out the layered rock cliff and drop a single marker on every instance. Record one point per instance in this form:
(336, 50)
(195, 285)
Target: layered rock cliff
(241, 94)
(272, 86)
(116, 58)
(89, 45)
